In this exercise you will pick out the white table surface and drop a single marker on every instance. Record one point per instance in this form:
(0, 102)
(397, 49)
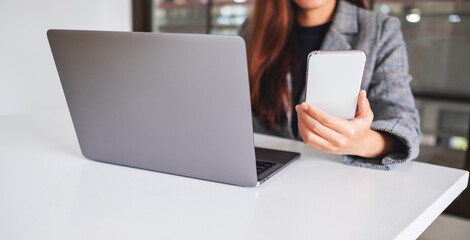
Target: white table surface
(48, 190)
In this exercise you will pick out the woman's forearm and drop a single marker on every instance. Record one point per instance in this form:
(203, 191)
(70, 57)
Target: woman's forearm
(378, 145)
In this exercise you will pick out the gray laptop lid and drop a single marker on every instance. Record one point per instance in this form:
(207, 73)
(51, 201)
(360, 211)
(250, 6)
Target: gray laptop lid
(173, 103)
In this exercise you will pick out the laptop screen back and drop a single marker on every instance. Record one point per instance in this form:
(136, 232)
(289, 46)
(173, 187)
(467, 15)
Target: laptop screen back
(173, 103)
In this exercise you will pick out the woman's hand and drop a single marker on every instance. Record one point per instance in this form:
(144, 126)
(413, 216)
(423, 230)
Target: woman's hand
(330, 134)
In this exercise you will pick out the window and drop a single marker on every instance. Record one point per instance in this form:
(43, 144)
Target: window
(200, 16)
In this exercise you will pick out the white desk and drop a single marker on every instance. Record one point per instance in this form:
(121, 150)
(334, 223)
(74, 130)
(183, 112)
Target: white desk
(48, 190)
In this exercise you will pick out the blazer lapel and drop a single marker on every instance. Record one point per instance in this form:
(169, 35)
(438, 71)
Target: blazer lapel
(344, 23)
(334, 40)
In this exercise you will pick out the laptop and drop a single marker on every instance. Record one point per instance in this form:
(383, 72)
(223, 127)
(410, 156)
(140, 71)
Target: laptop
(172, 103)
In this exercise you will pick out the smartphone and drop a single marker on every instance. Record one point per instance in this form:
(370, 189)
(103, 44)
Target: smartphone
(334, 81)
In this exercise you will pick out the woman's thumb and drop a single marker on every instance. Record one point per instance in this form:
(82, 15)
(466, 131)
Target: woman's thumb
(364, 110)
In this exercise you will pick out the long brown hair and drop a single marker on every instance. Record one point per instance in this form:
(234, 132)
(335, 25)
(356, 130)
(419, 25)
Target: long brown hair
(271, 57)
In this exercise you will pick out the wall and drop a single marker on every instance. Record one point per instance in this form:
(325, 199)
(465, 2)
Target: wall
(28, 77)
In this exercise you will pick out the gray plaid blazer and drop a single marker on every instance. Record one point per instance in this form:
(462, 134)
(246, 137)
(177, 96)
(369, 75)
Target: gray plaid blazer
(386, 80)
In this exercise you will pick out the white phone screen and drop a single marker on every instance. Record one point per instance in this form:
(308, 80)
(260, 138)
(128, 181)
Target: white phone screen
(334, 80)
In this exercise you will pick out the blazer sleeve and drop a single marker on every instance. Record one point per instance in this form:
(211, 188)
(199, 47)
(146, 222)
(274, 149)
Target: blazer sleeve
(391, 99)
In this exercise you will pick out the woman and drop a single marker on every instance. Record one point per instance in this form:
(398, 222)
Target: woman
(280, 35)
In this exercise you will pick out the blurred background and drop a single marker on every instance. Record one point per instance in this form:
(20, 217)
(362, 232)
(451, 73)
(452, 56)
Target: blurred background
(437, 34)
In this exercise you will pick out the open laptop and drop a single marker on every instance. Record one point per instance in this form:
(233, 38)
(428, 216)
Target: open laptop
(173, 103)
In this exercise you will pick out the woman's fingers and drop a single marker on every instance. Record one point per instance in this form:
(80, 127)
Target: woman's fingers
(334, 135)
(337, 124)
(315, 126)
(312, 139)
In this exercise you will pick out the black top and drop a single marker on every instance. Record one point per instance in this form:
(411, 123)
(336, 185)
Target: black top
(307, 39)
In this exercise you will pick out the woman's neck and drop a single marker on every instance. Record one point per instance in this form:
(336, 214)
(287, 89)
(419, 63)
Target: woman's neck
(317, 16)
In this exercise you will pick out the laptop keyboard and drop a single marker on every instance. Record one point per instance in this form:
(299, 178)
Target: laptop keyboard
(262, 166)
